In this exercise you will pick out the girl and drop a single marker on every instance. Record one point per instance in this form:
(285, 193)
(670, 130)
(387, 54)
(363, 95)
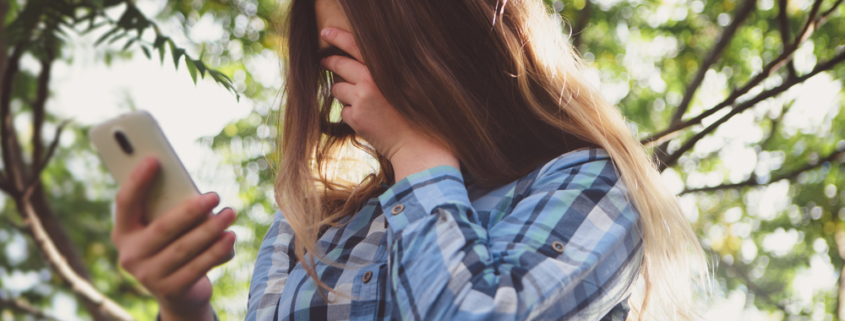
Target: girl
(506, 187)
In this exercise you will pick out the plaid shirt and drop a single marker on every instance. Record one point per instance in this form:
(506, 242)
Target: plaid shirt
(559, 243)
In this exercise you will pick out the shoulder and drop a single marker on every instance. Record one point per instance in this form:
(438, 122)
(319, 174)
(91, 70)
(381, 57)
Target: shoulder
(587, 180)
(579, 169)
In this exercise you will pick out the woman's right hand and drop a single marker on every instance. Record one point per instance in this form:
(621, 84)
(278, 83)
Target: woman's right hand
(171, 255)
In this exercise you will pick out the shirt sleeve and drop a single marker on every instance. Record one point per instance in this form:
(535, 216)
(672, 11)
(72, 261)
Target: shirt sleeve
(569, 248)
(271, 271)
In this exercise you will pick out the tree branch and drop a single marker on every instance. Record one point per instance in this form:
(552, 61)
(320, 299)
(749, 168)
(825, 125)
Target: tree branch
(583, 20)
(671, 159)
(810, 25)
(24, 307)
(767, 71)
(78, 284)
(785, 39)
(4, 7)
(823, 17)
(727, 35)
(8, 138)
(38, 108)
(753, 182)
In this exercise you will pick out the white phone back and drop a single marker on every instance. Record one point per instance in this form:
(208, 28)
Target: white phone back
(172, 184)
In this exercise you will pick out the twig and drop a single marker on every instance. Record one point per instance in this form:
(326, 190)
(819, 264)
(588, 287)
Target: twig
(751, 285)
(774, 130)
(767, 71)
(24, 307)
(821, 19)
(39, 167)
(727, 35)
(60, 265)
(668, 160)
(753, 182)
(810, 25)
(21, 228)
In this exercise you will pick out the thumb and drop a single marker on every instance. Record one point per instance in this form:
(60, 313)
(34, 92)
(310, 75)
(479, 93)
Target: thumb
(132, 195)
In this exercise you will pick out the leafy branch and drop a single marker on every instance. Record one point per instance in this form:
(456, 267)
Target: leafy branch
(813, 22)
(739, 108)
(752, 181)
(133, 20)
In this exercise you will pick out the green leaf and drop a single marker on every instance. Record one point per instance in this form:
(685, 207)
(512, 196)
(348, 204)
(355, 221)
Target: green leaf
(176, 52)
(128, 43)
(200, 67)
(146, 52)
(159, 42)
(106, 35)
(161, 54)
(92, 26)
(118, 37)
(191, 68)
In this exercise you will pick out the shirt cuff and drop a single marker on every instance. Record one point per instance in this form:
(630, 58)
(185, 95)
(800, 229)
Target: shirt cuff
(420, 193)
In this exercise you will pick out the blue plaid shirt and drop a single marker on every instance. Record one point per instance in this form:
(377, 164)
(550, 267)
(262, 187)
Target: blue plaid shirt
(559, 243)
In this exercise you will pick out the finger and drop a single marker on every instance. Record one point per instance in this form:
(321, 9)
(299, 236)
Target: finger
(132, 194)
(344, 40)
(188, 274)
(193, 242)
(175, 222)
(349, 69)
(344, 92)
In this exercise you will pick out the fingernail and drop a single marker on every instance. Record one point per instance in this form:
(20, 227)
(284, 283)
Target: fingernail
(150, 163)
(325, 32)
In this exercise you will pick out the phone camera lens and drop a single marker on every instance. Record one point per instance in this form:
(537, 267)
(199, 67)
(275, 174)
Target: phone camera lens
(123, 142)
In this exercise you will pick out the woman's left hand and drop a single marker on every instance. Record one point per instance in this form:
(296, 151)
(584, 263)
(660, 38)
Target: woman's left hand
(373, 118)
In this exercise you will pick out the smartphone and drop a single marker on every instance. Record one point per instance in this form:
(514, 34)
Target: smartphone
(124, 141)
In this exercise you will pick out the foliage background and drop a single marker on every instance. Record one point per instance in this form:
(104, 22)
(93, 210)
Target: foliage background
(765, 190)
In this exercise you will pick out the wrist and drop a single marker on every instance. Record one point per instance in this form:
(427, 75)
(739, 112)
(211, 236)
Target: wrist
(202, 313)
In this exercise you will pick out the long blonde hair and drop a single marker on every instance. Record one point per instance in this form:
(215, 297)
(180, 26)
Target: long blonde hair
(497, 83)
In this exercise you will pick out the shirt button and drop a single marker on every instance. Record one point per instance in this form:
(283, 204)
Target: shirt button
(397, 209)
(558, 246)
(367, 276)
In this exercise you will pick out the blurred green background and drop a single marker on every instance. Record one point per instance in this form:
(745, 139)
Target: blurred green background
(746, 97)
